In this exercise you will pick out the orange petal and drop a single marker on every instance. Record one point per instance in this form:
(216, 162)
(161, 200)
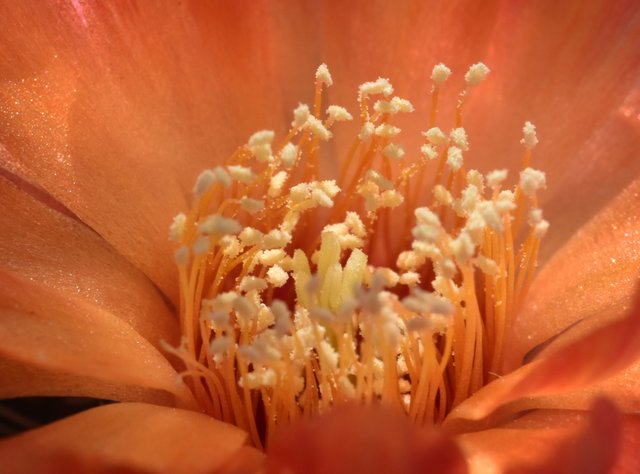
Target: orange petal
(592, 278)
(629, 458)
(41, 244)
(581, 364)
(43, 329)
(114, 109)
(246, 460)
(541, 56)
(135, 436)
(548, 442)
(356, 439)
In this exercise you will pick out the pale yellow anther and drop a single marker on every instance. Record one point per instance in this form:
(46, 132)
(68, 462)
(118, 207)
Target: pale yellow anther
(315, 126)
(486, 265)
(436, 137)
(393, 151)
(458, 137)
(241, 173)
(337, 113)
(252, 283)
(495, 178)
(454, 158)
(530, 138)
(386, 130)
(323, 75)
(475, 178)
(250, 236)
(429, 152)
(379, 86)
(176, 230)
(218, 225)
(276, 184)
(367, 131)
(252, 205)
(476, 74)
(276, 276)
(440, 74)
(300, 116)
(463, 247)
(410, 279)
(531, 181)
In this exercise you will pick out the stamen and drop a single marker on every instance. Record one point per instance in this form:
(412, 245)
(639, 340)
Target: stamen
(300, 293)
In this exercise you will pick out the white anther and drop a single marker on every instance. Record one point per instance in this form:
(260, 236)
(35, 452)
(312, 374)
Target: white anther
(409, 260)
(486, 265)
(475, 178)
(426, 233)
(454, 158)
(387, 130)
(379, 86)
(241, 173)
(535, 217)
(329, 186)
(277, 276)
(475, 227)
(436, 137)
(244, 308)
(271, 257)
(458, 137)
(442, 195)
(201, 245)
(393, 151)
(463, 247)
(317, 128)
(218, 225)
(300, 115)
(252, 283)
(276, 183)
(321, 198)
(505, 202)
(323, 75)
(288, 155)
(402, 105)
(220, 345)
(440, 74)
(252, 205)
(250, 236)
(429, 152)
(476, 74)
(495, 178)
(541, 229)
(490, 215)
(176, 230)
(446, 268)
(181, 256)
(353, 221)
(262, 137)
(424, 215)
(390, 199)
(282, 317)
(204, 181)
(409, 278)
(230, 246)
(366, 132)
(322, 315)
(299, 192)
(531, 181)
(276, 239)
(381, 181)
(338, 114)
(530, 139)
(328, 354)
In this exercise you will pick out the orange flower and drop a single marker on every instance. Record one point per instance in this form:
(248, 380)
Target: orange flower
(109, 112)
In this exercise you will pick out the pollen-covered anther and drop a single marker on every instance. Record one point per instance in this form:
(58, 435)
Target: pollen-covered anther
(219, 225)
(530, 138)
(393, 151)
(476, 74)
(440, 74)
(260, 145)
(454, 158)
(532, 180)
(337, 113)
(379, 86)
(323, 75)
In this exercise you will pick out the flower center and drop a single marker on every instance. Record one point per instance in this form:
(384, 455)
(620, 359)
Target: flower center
(298, 294)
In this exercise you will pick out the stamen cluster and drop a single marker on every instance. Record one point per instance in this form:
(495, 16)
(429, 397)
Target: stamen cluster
(283, 318)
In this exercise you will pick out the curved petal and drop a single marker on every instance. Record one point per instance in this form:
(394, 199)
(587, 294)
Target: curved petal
(114, 109)
(41, 244)
(548, 442)
(583, 363)
(541, 56)
(592, 278)
(132, 436)
(41, 328)
(355, 439)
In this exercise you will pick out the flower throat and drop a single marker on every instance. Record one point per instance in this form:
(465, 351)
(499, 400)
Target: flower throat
(284, 313)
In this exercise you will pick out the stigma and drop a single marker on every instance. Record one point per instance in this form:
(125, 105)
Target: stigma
(394, 281)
